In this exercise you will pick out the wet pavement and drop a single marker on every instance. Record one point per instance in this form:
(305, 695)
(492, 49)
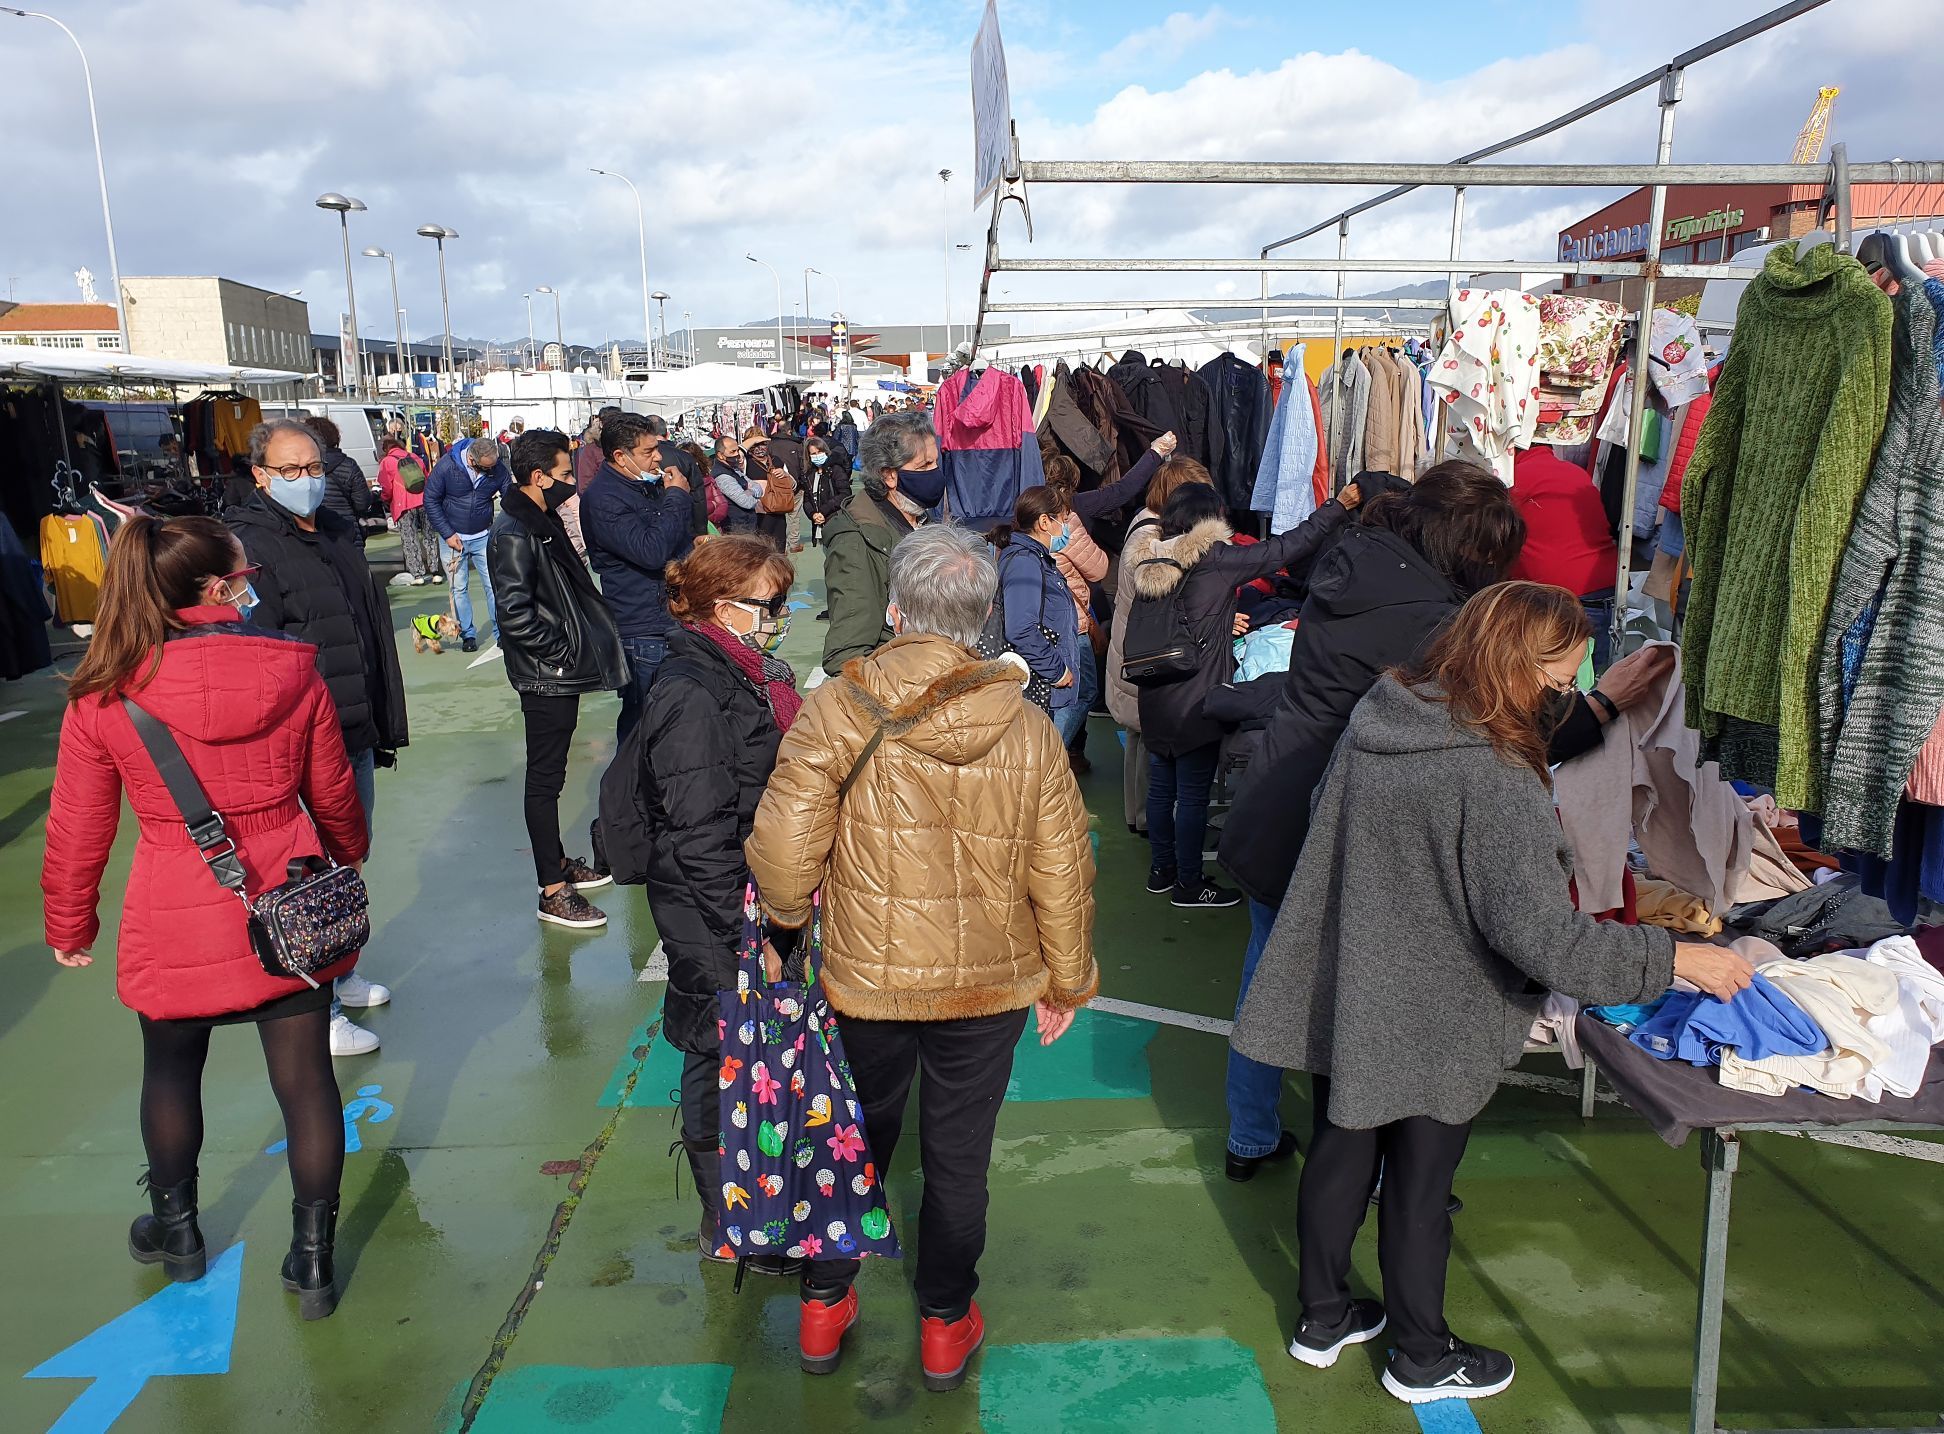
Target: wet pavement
(516, 1246)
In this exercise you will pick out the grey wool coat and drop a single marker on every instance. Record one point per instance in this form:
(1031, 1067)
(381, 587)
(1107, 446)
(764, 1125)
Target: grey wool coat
(1427, 916)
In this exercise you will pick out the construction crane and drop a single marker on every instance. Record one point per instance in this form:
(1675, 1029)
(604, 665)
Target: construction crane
(1815, 129)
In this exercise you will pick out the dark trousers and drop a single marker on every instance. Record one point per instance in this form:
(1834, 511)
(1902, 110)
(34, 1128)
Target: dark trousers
(966, 1066)
(1418, 1156)
(702, 1126)
(1177, 809)
(775, 527)
(549, 732)
(645, 656)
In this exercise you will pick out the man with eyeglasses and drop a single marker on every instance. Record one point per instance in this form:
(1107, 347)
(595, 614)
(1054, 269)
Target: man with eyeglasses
(313, 583)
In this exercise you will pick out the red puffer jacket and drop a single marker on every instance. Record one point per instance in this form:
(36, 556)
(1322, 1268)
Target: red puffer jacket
(260, 732)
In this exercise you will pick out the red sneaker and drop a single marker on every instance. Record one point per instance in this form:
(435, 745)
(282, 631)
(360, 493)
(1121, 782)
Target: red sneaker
(947, 1348)
(820, 1332)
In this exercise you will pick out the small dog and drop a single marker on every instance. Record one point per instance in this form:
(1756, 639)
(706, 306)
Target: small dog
(430, 630)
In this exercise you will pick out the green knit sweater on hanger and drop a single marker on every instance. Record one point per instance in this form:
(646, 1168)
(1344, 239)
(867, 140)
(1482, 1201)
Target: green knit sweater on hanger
(1770, 495)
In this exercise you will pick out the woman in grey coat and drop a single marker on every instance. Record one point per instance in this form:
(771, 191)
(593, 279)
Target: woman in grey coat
(1427, 917)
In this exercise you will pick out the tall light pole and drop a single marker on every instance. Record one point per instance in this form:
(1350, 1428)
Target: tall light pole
(688, 335)
(560, 336)
(807, 272)
(660, 296)
(398, 314)
(945, 175)
(641, 228)
(438, 234)
(529, 353)
(779, 305)
(343, 206)
(101, 170)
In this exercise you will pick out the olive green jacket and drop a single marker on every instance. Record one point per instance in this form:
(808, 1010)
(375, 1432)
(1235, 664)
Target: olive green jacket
(857, 580)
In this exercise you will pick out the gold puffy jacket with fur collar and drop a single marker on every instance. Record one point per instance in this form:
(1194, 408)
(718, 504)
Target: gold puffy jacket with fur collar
(958, 874)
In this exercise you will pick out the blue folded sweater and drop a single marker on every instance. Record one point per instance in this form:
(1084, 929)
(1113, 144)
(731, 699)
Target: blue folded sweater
(1759, 1022)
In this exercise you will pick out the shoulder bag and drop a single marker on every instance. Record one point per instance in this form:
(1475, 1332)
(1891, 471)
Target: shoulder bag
(318, 916)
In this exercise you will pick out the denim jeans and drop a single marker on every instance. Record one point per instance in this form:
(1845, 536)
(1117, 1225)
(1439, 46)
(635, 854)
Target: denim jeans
(1070, 722)
(1599, 612)
(1254, 1089)
(472, 555)
(1177, 809)
(645, 655)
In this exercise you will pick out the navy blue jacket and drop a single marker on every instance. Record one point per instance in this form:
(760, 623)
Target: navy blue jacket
(634, 530)
(456, 504)
(1030, 592)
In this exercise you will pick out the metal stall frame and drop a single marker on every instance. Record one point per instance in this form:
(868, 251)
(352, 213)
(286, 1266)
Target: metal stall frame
(1835, 177)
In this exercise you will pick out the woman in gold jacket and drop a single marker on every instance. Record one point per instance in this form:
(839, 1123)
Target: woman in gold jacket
(934, 807)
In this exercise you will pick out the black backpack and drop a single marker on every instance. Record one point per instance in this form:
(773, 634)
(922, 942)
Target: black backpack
(1159, 647)
(620, 832)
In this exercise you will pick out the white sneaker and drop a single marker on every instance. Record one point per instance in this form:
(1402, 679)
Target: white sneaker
(354, 990)
(348, 1039)
(404, 580)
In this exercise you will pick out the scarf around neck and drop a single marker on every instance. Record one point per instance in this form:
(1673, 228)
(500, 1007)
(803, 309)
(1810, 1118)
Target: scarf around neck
(772, 674)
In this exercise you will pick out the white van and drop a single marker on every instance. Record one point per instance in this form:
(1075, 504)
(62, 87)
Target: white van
(360, 425)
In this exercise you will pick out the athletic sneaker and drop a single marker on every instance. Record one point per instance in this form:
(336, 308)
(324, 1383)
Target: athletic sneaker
(567, 907)
(1161, 880)
(1464, 1371)
(1207, 895)
(355, 990)
(584, 877)
(1318, 1344)
(351, 1039)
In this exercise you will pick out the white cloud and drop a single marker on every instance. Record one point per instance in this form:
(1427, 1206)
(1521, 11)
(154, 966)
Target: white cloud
(1165, 41)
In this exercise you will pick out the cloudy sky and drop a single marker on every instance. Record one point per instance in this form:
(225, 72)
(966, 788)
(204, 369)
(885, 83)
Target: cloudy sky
(810, 132)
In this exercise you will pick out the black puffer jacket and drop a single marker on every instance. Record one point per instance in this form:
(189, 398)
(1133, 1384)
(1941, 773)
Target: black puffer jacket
(827, 489)
(556, 631)
(317, 586)
(1240, 408)
(347, 492)
(711, 743)
(1172, 716)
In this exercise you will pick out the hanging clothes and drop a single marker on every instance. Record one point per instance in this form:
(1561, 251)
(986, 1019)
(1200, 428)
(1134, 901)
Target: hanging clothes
(1489, 372)
(1410, 416)
(1381, 426)
(1077, 435)
(1241, 407)
(1320, 489)
(1284, 485)
(1579, 344)
(1768, 500)
(986, 445)
(74, 555)
(1345, 398)
(1893, 566)
(235, 417)
(1681, 376)
(23, 612)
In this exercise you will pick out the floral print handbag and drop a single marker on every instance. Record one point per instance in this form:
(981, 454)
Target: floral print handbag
(797, 1175)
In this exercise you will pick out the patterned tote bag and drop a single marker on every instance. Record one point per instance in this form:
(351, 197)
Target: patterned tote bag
(797, 1175)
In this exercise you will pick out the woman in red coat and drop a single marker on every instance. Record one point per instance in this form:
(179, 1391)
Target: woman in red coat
(261, 733)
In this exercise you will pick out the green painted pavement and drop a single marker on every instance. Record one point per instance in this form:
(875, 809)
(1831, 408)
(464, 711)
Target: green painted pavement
(1124, 1386)
(679, 1399)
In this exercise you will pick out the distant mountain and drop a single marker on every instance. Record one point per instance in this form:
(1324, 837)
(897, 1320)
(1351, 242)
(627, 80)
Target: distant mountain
(1363, 305)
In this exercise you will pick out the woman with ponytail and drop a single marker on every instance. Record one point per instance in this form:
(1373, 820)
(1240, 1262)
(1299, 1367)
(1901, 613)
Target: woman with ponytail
(259, 731)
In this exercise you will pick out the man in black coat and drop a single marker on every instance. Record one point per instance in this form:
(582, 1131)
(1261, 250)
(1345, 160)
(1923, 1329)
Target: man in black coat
(560, 641)
(313, 583)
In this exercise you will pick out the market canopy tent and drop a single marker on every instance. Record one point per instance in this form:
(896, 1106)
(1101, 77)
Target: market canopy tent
(705, 381)
(33, 361)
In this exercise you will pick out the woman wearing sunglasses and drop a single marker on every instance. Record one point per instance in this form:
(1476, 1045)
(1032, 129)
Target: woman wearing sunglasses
(260, 732)
(710, 729)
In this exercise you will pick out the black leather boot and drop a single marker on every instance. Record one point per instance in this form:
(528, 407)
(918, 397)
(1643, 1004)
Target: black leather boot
(169, 1236)
(307, 1270)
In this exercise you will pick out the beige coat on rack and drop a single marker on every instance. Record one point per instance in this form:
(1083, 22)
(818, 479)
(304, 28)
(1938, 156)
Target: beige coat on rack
(1381, 420)
(1410, 425)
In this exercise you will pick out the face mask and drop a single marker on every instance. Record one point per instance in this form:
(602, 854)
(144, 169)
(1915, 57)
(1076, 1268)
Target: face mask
(245, 604)
(922, 486)
(1554, 708)
(298, 495)
(819, 459)
(768, 633)
(1059, 541)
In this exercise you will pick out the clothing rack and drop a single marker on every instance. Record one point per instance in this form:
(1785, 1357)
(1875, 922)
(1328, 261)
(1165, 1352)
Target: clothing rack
(1017, 176)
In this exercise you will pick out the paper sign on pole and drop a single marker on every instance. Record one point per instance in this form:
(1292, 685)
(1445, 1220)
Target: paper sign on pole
(991, 107)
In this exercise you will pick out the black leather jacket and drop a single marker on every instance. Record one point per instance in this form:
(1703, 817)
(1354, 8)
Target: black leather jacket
(556, 631)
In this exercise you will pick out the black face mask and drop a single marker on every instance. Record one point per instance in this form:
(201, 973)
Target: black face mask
(555, 494)
(1554, 709)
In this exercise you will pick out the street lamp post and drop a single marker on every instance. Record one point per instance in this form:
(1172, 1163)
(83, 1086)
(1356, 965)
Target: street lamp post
(560, 337)
(945, 175)
(688, 335)
(807, 272)
(101, 169)
(529, 353)
(641, 228)
(438, 234)
(779, 305)
(343, 206)
(398, 313)
(660, 296)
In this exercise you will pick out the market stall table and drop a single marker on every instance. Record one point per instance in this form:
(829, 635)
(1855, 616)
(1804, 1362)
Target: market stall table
(1677, 1099)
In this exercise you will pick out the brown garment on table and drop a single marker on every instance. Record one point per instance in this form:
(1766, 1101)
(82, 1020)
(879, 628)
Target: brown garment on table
(1658, 903)
(1770, 875)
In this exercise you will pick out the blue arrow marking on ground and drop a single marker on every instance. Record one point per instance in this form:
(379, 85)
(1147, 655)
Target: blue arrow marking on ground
(366, 1104)
(799, 606)
(180, 1329)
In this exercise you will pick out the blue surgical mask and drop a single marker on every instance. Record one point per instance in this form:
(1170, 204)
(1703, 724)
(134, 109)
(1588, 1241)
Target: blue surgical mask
(298, 495)
(1059, 541)
(923, 486)
(246, 604)
(819, 459)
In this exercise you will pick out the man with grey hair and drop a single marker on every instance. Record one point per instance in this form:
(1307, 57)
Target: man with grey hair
(459, 498)
(902, 485)
(311, 580)
(934, 808)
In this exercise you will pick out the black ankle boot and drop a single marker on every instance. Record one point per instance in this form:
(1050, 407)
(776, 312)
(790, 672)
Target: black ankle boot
(705, 1168)
(169, 1236)
(307, 1270)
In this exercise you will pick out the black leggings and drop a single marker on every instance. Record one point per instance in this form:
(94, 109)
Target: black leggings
(297, 1051)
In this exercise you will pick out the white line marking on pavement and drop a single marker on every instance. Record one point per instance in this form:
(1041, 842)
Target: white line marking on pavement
(9, 716)
(657, 967)
(1874, 1140)
(491, 654)
(1162, 1016)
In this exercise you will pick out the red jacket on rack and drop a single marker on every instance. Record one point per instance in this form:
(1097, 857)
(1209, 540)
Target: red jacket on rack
(260, 732)
(1567, 541)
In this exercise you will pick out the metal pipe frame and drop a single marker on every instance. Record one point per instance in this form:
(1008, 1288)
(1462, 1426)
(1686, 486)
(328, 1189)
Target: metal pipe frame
(1095, 306)
(1728, 39)
(1055, 343)
(1497, 176)
(1608, 268)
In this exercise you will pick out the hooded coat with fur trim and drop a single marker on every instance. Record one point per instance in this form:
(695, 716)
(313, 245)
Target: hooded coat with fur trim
(957, 874)
(1208, 567)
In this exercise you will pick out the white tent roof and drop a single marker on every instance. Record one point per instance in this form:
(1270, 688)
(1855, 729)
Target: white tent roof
(103, 366)
(705, 381)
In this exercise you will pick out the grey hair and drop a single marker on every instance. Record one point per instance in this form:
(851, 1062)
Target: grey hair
(892, 442)
(261, 435)
(943, 579)
(486, 445)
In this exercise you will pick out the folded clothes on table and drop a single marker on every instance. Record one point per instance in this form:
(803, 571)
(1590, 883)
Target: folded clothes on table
(1759, 1022)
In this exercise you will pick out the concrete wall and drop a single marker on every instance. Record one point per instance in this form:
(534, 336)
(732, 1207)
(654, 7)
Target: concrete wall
(211, 320)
